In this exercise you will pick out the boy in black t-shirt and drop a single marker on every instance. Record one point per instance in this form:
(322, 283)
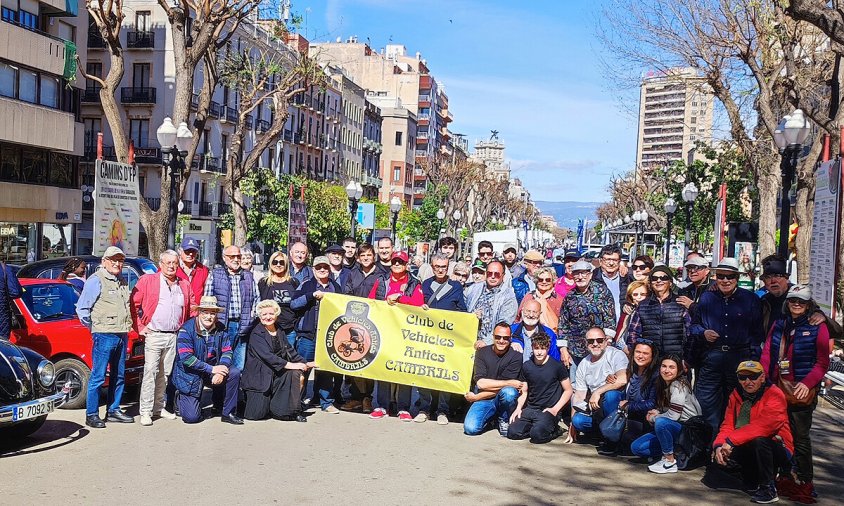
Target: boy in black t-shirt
(540, 405)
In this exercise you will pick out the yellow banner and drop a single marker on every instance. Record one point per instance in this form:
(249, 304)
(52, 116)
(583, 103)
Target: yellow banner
(401, 344)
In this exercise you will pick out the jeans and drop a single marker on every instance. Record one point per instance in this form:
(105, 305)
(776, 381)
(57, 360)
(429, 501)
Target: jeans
(225, 393)
(715, 381)
(291, 338)
(573, 368)
(159, 354)
(481, 412)
(109, 350)
(659, 442)
(383, 396)
(800, 419)
(425, 398)
(540, 426)
(609, 404)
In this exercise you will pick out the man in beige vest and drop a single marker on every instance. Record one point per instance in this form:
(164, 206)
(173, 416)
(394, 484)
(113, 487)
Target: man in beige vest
(103, 307)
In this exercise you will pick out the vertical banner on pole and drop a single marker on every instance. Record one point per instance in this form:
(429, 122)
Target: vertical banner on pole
(297, 219)
(825, 229)
(720, 222)
(116, 207)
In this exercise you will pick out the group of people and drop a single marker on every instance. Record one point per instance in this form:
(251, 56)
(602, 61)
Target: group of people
(578, 346)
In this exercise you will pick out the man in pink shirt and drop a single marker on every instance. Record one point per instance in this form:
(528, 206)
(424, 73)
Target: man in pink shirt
(160, 304)
(397, 288)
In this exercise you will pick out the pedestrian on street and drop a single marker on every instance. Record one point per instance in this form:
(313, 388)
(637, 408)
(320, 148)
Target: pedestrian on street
(530, 326)
(641, 267)
(161, 304)
(448, 247)
(103, 307)
(637, 291)
(299, 268)
(204, 358)
(774, 306)
(549, 300)
(640, 393)
(385, 255)
(339, 272)
(492, 301)
(511, 260)
(726, 330)
(460, 273)
(11, 290)
(247, 258)
(237, 291)
(74, 272)
(190, 268)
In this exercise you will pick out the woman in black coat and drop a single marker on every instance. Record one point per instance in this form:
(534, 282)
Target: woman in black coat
(273, 371)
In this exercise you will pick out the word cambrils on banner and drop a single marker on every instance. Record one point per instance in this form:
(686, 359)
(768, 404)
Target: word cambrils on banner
(116, 207)
(401, 344)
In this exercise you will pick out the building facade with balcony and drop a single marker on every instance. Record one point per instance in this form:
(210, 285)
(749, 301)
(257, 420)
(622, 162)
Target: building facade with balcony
(41, 134)
(372, 149)
(398, 127)
(352, 124)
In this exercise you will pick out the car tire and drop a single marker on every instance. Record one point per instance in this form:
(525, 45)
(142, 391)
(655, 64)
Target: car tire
(23, 429)
(78, 374)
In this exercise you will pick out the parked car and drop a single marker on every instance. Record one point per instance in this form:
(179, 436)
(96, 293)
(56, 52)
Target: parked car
(45, 321)
(28, 391)
(133, 268)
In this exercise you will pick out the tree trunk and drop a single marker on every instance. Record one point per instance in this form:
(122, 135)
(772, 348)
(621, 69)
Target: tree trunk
(769, 184)
(156, 232)
(239, 212)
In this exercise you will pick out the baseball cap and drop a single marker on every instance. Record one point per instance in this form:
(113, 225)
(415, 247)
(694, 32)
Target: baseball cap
(801, 292)
(581, 265)
(479, 265)
(189, 243)
(749, 366)
(510, 246)
(401, 255)
(696, 261)
(321, 260)
(113, 251)
(571, 253)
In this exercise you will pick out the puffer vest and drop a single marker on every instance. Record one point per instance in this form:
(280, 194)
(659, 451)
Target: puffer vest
(110, 313)
(805, 352)
(663, 323)
(223, 292)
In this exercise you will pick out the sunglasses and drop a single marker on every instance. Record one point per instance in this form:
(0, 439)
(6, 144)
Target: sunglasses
(533, 262)
(321, 267)
(726, 276)
(752, 376)
(694, 268)
(233, 256)
(501, 337)
(597, 340)
(639, 267)
(544, 280)
(278, 262)
(493, 274)
(485, 253)
(660, 279)
(797, 302)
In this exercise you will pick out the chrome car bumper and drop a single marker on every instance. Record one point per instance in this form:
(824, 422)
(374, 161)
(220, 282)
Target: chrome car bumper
(57, 398)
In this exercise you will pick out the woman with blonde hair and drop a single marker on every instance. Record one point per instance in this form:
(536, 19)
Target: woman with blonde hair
(637, 291)
(277, 285)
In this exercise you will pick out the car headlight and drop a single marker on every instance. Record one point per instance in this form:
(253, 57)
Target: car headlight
(46, 373)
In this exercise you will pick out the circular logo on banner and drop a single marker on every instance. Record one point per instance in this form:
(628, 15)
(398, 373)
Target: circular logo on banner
(352, 339)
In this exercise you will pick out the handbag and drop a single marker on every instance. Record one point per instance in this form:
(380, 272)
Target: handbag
(787, 386)
(612, 427)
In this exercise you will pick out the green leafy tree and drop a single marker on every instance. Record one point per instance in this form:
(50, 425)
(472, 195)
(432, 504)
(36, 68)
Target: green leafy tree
(422, 224)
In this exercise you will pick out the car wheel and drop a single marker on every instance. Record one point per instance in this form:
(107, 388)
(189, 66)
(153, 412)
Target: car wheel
(23, 429)
(77, 373)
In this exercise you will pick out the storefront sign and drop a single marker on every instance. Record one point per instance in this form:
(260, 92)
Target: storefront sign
(400, 344)
(825, 230)
(198, 227)
(116, 207)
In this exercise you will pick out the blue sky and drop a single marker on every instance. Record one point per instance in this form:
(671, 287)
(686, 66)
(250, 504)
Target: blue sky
(528, 69)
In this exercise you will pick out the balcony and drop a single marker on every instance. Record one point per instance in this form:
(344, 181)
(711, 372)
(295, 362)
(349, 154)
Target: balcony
(154, 203)
(231, 114)
(223, 209)
(421, 153)
(148, 155)
(210, 164)
(423, 119)
(89, 153)
(262, 126)
(425, 82)
(288, 136)
(206, 209)
(91, 95)
(137, 95)
(424, 98)
(194, 101)
(249, 121)
(214, 110)
(422, 140)
(22, 43)
(140, 40)
(95, 39)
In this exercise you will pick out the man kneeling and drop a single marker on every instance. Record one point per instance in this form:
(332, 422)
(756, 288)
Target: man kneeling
(204, 357)
(537, 413)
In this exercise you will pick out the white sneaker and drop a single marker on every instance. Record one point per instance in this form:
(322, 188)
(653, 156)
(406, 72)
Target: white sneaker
(422, 417)
(442, 420)
(146, 420)
(168, 415)
(663, 467)
(331, 410)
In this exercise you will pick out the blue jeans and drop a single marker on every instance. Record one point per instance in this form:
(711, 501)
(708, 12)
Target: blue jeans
(481, 412)
(323, 380)
(291, 338)
(659, 442)
(238, 346)
(609, 404)
(109, 350)
(715, 381)
(426, 397)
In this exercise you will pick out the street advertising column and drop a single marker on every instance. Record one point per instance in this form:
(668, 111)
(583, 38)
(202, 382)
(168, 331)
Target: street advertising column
(402, 344)
(116, 207)
(825, 230)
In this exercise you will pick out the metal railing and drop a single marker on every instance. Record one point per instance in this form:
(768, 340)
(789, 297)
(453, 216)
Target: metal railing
(137, 95)
(262, 126)
(231, 114)
(91, 94)
(206, 209)
(95, 39)
(140, 39)
(214, 110)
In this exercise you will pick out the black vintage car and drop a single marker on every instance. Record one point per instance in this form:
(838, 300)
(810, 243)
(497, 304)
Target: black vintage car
(28, 391)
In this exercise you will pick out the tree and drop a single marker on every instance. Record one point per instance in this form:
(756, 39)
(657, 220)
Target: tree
(261, 75)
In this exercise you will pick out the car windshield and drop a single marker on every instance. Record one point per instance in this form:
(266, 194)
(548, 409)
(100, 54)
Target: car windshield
(52, 301)
(147, 266)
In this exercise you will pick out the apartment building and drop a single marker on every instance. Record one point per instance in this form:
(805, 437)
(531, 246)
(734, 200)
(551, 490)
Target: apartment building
(351, 125)
(491, 153)
(372, 149)
(675, 112)
(398, 126)
(41, 133)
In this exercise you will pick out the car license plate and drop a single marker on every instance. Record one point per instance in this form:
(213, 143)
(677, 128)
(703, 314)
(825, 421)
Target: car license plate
(32, 410)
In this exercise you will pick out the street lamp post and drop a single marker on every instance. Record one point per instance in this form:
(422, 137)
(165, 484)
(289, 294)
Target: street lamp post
(640, 218)
(690, 193)
(354, 191)
(789, 136)
(395, 207)
(456, 215)
(440, 217)
(174, 144)
(670, 208)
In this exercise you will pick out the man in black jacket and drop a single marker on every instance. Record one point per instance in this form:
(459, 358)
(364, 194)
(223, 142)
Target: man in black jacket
(697, 270)
(613, 275)
(660, 318)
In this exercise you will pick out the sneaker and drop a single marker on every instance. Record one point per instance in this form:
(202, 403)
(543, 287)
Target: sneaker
(503, 427)
(404, 416)
(146, 420)
(663, 467)
(442, 419)
(606, 449)
(378, 413)
(422, 417)
(167, 415)
(766, 494)
(367, 404)
(331, 410)
(351, 405)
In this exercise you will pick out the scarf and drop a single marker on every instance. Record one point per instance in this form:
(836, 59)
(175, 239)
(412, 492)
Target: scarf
(748, 400)
(485, 305)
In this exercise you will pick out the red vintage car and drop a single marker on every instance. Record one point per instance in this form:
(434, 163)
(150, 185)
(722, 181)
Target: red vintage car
(45, 321)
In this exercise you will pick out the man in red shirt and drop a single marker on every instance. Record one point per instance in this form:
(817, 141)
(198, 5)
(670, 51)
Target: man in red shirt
(190, 268)
(397, 288)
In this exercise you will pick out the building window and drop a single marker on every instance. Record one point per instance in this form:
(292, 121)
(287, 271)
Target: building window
(61, 170)
(28, 20)
(140, 75)
(28, 86)
(694, 120)
(50, 92)
(139, 132)
(9, 15)
(10, 163)
(396, 174)
(8, 80)
(398, 138)
(142, 21)
(34, 166)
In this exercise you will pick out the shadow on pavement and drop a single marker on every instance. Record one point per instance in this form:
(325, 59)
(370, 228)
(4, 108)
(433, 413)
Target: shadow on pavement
(53, 434)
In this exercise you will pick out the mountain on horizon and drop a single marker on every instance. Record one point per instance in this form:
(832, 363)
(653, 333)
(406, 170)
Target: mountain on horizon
(567, 213)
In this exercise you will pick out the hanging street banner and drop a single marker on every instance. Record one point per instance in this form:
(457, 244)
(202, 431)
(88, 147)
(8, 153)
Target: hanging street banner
(297, 219)
(825, 230)
(116, 207)
(402, 344)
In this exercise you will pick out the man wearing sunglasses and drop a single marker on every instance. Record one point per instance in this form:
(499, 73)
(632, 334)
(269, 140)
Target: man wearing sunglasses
(726, 330)
(236, 291)
(697, 270)
(492, 301)
(660, 318)
(524, 283)
(755, 433)
(190, 268)
(775, 278)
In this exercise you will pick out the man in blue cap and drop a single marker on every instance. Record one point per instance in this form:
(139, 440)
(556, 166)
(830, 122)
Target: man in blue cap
(190, 268)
